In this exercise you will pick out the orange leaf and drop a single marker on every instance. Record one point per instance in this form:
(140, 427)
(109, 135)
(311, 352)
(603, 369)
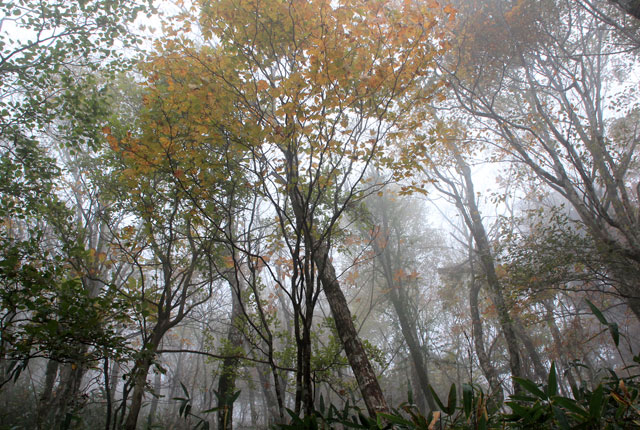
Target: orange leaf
(262, 85)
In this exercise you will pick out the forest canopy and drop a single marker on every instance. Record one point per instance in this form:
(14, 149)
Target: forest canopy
(319, 214)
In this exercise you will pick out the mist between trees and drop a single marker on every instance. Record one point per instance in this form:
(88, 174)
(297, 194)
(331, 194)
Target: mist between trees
(280, 208)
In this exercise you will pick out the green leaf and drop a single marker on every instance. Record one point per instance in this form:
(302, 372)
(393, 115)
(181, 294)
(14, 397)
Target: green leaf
(615, 334)
(365, 420)
(467, 399)
(395, 419)
(208, 411)
(597, 313)
(561, 418)
(552, 384)
(571, 405)
(531, 387)
(436, 398)
(519, 410)
(184, 390)
(596, 402)
(234, 397)
(482, 422)
(296, 419)
(452, 400)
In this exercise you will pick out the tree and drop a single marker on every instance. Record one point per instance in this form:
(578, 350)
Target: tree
(176, 252)
(543, 98)
(49, 50)
(49, 53)
(394, 246)
(312, 90)
(462, 193)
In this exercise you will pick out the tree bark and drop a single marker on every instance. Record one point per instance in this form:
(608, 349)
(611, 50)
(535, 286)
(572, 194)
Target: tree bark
(140, 375)
(559, 345)
(157, 380)
(227, 381)
(114, 381)
(483, 248)
(489, 370)
(538, 368)
(65, 400)
(356, 355)
(407, 325)
(318, 248)
(271, 404)
(44, 405)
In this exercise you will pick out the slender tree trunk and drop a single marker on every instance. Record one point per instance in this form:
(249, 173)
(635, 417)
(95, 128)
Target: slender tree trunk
(299, 365)
(140, 375)
(140, 379)
(356, 355)
(227, 381)
(497, 297)
(65, 401)
(474, 222)
(307, 387)
(278, 387)
(107, 394)
(114, 381)
(489, 370)
(407, 325)
(153, 409)
(539, 369)
(418, 393)
(254, 411)
(559, 345)
(44, 406)
(304, 387)
(271, 404)
(175, 383)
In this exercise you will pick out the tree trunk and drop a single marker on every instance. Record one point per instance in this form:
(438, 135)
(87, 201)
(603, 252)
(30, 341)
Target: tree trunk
(44, 406)
(271, 405)
(252, 406)
(307, 392)
(418, 394)
(474, 222)
(157, 380)
(140, 376)
(140, 379)
(489, 370)
(559, 345)
(174, 387)
(407, 325)
(304, 387)
(227, 381)
(538, 368)
(356, 355)
(65, 401)
(114, 381)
